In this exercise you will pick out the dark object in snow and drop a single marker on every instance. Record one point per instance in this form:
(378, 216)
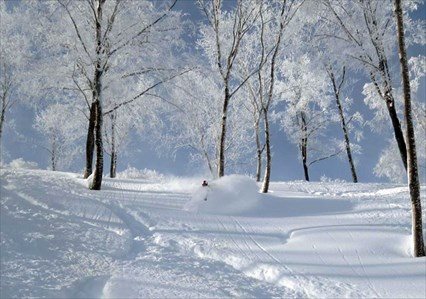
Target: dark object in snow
(205, 184)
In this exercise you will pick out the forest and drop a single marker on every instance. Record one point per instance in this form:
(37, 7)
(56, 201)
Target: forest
(98, 75)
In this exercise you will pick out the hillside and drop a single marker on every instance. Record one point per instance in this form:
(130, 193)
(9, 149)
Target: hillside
(137, 238)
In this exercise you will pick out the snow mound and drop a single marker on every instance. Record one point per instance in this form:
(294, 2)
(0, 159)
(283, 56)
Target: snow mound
(134, 173)
(229, 195)
(22, 164)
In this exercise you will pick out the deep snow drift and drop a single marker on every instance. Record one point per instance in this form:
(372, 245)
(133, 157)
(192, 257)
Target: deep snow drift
(229, 195)
(136, 238)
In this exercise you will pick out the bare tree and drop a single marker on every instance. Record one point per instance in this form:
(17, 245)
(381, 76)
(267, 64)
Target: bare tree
(412, 170)
(195, 102)
(309, 112)
(15, 58)
(365, 26)
(62, 125)
(6, 100)
(256, 112)
(264, 48)
(287, 12)
(103, 66)
(241, 20)
(337, 86)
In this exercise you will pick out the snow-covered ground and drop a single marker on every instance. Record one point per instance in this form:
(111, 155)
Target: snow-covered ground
(137, 238)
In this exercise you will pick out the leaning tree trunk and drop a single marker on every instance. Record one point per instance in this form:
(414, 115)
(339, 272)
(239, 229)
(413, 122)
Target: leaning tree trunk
(343, 123)
(304, 146)
(412, 171)
(113, 164)
(267, 177)
(221, 162)
(258, 152)
(90, 141)
(97, 177)
(347, 143)
(53, 154)
(3, 112)
(399, 135)
(387, 95)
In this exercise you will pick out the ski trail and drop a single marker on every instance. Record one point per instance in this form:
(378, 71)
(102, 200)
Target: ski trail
(306, 285)
(367, 277)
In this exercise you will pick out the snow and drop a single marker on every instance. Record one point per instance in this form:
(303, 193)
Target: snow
(136, 238)
(21, 163)
(229, 195)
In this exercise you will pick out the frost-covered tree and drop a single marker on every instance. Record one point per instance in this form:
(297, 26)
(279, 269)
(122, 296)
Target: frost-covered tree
(365, 32)
(412, 170)
(222, 39)
(14, 59)
(345, 122)
(116, 133)
(272, 30)
(119, 125)
(194, 125)
(389, 166)
(120, 50)
(308, 112)
(252, 106)
(63, 127)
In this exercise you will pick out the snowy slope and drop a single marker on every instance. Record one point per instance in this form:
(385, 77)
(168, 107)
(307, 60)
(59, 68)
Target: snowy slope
(134, 239)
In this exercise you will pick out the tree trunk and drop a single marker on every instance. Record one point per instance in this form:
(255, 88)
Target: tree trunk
(348, 149)
(53, 153)
(390, 105)
(412, 170)
(305, 169)
(2, 116)
(343, 122)
(267, 177)
(388, 96)
(399, 135)
(304, 146)
(221, 162)
(258, 152)
(90, 141)
(113, 165)
(97, 177)
(4, 104)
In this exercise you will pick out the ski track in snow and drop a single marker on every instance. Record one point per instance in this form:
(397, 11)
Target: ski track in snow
(132, 239)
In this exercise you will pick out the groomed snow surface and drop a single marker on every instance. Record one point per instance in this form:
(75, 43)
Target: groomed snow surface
(174, 238)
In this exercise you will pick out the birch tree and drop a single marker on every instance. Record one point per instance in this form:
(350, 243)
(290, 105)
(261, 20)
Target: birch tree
(364, 30)
(222, 39)
(412, 171)
(389, 165)
(62, 140)
(194, 102)
(252, 106)
(120, 125)
(109, 53)
(14, 59)
(308, 113)
(275, 28)
(337, 84)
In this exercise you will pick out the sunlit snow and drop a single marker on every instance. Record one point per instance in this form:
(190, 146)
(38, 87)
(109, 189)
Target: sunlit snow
(135, 239)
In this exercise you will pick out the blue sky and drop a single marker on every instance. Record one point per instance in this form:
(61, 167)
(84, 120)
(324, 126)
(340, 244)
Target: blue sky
(22, 139)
